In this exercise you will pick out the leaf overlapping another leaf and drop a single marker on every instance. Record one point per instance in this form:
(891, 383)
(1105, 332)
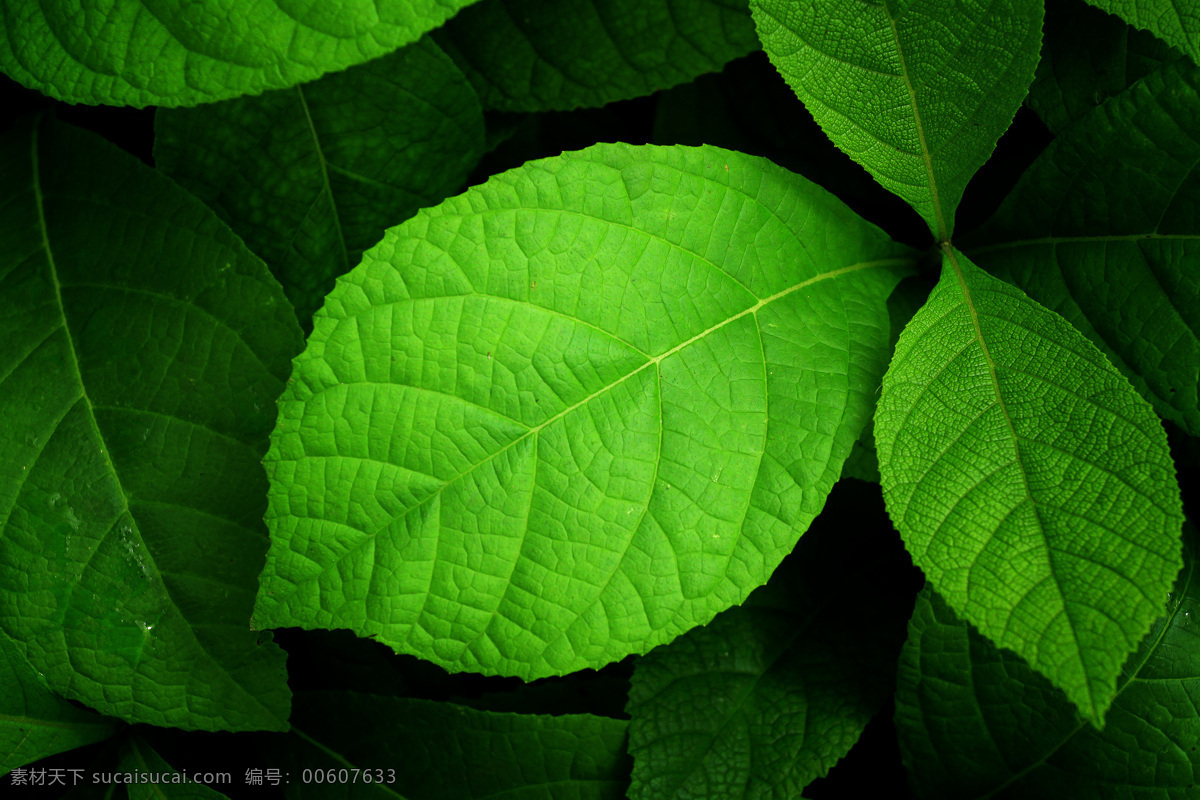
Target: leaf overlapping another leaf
(1030, 481)
(311, 176)
(917, 91)
(150, 53)
(1087, 57)
(140, 759)
(1176, 23)
(1104, 229)
(34, 721)
(575, 411)
(443, 751)
(976, 721)
(770, 695)
(144, 349)
(540, 55)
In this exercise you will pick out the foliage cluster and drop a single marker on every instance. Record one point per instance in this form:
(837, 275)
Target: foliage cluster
(456, 403)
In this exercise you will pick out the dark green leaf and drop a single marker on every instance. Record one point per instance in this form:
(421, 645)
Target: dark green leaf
(144, 350)
(154, 779)
(1104, 229)
(423, 750)
(576, 411)
(1087, 57)
(768, 696)
(976, 721)
(863, 463)
(34, 721)
(1176, 23)
(155, 53)
(538, 55)
(1030, 481)
(917, 91)
(311, 176)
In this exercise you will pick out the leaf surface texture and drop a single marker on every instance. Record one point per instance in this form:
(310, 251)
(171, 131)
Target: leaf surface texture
(145, 346)
(1176, 23)
(1030, 481)
(1104, 229)
(312, 175)
(976, 721)
(34, 721)
(1087, 57)
(160, 53)
(917, 91)
(576, 411)
(768, 696)
(541, 55)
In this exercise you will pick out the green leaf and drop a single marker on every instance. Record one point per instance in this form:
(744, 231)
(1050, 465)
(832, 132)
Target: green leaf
(1030, 481)
(863, 463)
(155, 53)
(916, 91)
(311, 176)
(1104, 229)
(144, 348)
(34, 721)
(427, 750)
(769, 696)
(1176, 23)
(576, 411)
(1087, 57)
(140, 762)
(540, 55)
(975, 721)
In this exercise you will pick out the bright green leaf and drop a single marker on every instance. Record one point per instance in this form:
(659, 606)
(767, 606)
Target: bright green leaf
(311, 176)
(1176, 23)
(140, 761)
(144, 349)
(576, 411)
(1087, 57)
(441, 751)
(917, 91)
(975, 721)
(156, 53)
(1030, 481)
(1104, 229)
(769, 696)
(538, 55)
(34, 721)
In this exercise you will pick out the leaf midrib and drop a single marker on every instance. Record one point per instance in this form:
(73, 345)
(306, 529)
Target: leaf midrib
(943, 232)
(83, 395)
(652, 360)
(968, 301)
(1133, 678)
(1057, 240)
(136, 751)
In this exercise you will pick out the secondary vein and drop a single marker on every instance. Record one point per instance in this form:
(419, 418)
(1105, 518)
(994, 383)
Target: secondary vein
(337, 218)
(952, 260)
